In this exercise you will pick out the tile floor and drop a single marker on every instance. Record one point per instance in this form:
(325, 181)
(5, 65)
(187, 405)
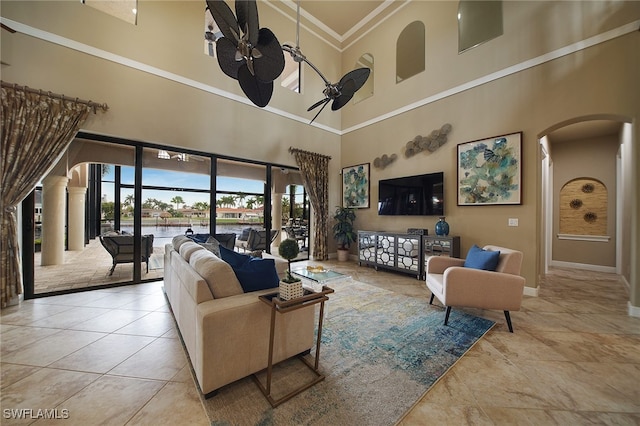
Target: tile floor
(113, 356)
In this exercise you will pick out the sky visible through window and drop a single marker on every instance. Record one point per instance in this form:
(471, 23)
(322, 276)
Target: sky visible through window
(154, 177)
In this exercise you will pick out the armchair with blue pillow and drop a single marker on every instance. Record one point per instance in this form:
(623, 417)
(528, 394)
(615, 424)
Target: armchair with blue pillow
(489, 278)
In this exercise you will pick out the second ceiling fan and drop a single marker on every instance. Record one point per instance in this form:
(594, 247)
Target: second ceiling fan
(254, 57)
(342, 91)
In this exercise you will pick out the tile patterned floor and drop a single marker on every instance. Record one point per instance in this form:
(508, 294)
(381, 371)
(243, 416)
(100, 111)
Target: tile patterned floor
(113, 356)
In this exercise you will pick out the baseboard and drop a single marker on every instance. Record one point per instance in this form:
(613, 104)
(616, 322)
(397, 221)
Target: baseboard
(584, 266)
(531, 291)
(634, 311)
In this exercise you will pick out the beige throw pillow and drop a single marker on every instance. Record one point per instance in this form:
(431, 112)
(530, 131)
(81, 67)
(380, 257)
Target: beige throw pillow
(218, 274)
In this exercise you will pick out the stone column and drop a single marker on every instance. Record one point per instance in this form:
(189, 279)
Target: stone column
(276, 217)
(77, 197)
(53, 215)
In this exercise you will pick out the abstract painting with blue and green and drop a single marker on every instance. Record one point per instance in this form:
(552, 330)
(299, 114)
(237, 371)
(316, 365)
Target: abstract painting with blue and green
(489, 171)
(355, 186)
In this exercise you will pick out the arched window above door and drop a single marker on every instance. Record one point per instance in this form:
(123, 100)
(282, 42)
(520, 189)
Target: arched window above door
(410, 51)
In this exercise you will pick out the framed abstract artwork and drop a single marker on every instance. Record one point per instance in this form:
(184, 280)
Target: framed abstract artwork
(490, 171)
(356, 186)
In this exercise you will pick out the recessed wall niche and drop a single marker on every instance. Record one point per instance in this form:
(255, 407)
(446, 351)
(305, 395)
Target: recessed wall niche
(478, 21)
(583, 207)
(366, 91)
(410, 51)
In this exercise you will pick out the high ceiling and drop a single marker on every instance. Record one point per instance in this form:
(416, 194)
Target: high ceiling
(342, 16)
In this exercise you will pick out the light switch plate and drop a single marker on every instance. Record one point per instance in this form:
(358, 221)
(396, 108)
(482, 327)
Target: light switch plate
(513, 221)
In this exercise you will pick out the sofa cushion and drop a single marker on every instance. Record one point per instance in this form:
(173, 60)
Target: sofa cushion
(220, 278)
(212, 245)
(188, 248)
(478, 258)
(253, 273)
(178, 240)
(233, 258)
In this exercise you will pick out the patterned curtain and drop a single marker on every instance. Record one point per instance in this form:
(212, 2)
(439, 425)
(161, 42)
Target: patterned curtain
(37, 127)
(314, 169)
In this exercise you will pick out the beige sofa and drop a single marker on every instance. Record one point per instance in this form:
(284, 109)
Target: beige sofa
(226, 331)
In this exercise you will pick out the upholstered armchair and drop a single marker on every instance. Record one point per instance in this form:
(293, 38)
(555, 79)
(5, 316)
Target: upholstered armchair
(458, 286)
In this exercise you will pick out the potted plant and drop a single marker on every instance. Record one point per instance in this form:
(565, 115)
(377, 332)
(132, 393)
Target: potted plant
(343, 231)
(290, 286)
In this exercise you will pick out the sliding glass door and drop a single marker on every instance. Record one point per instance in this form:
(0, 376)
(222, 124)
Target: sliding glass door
(106, 217)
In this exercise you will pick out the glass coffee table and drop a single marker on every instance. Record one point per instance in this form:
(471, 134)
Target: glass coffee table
(319, 275)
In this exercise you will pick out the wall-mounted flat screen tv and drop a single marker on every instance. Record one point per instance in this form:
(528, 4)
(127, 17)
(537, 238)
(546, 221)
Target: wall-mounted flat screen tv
(421, 195)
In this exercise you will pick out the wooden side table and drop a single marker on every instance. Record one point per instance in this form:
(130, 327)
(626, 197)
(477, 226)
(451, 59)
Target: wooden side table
(279, 306)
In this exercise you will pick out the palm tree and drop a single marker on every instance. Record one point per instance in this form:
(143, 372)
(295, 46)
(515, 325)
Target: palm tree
(128, 200)
(201, 205)
(228, 201)
(177, 200)
(251, 202)
(241, 196)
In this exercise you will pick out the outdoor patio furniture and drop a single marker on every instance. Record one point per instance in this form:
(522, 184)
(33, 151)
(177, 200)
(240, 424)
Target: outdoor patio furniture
(120, 247)
(257, 240)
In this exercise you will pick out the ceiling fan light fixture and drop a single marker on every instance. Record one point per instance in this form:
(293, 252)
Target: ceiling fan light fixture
(163, 154)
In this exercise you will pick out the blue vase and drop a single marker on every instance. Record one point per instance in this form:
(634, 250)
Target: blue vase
(442, 227)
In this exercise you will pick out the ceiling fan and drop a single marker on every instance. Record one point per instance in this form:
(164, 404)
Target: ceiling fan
(247, 53)
(342, 91)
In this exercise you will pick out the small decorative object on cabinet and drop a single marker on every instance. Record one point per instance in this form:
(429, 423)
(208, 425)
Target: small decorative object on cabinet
(442, 227)
(441, 246)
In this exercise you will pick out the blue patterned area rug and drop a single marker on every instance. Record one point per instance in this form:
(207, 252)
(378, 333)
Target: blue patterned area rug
(381, 351)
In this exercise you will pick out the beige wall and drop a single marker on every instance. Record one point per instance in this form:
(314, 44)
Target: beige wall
(155, 108)
(599, 79)
(595, 159)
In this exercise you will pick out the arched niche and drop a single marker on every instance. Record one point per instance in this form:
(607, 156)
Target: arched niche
(410, 51)
(478, 22)
(291, 76)
(365, 61)
(583, 207)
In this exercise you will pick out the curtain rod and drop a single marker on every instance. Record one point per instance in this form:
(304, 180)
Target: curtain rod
(91, 104)
(293, 150)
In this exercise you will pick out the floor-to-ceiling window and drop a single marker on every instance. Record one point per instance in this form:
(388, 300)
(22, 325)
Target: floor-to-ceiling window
(132, 191)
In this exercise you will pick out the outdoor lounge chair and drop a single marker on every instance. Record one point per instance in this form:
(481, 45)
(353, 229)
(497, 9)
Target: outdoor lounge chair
(120, 247)
(257, 240)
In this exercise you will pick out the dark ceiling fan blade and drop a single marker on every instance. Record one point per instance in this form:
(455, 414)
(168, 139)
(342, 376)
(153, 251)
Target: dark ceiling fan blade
(318, 113)
(225, 19)
(226, 53)
(359, 77)
(270, 64)
(247, 13)
(317, 104)
(346, 93)
(257, 91)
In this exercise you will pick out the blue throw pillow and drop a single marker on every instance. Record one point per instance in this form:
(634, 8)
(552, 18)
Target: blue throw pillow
(257, 274)
(478, 258)
(252, 272)
(233, 258)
